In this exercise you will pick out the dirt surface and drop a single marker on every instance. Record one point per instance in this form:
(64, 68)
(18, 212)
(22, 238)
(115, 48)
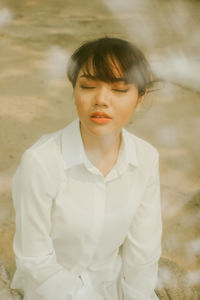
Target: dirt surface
(36, 39)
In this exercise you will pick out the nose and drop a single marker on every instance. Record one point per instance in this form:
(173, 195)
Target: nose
(102, 96)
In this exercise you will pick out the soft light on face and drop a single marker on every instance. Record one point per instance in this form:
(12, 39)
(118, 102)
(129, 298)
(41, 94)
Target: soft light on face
(104, 108)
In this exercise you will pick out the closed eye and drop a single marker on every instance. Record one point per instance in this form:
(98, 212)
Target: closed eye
(121, 91)
(87, 87)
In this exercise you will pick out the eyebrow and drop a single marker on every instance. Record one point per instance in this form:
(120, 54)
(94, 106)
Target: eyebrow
(95, 78)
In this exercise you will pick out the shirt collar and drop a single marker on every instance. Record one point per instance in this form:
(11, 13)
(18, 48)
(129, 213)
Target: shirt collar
(72, 146)
(73, 150)
(129, 148)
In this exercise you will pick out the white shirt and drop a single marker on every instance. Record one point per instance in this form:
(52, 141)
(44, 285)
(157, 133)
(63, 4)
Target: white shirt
(80, 235)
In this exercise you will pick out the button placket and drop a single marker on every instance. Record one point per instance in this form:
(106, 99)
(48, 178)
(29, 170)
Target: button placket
(99, 214)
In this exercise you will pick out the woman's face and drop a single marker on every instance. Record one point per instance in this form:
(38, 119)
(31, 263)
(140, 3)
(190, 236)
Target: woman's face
(104, 108)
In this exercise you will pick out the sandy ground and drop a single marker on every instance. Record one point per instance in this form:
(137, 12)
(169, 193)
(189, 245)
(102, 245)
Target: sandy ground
(36, 39)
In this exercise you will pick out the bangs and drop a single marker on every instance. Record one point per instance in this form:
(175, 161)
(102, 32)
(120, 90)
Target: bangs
(104, 67)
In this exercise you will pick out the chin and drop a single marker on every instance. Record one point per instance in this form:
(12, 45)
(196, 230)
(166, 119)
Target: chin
(100, 130)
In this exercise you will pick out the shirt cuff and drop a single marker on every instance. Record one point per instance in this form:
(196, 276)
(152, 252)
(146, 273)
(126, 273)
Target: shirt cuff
(87, 292)
(131, 293)
(59, 286)
(64, 284)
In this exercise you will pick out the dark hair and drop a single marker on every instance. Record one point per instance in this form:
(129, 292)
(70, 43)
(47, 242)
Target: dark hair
(106, 52)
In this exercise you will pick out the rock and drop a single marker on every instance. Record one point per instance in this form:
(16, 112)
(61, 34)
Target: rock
(172, 282)
(5, 291)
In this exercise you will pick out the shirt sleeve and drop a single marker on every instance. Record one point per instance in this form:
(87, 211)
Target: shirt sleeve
(142, 247)
(37, 269)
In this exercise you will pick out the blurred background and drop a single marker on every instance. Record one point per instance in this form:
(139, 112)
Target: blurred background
(36, 39)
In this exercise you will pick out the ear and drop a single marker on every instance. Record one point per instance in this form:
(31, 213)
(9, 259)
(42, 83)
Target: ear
(141, 98)
(139, 102)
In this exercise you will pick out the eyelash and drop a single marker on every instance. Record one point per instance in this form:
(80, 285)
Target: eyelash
(87, 87)
(93, 87)
(120, 91)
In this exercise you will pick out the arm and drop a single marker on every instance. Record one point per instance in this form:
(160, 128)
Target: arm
(142, 247)
(38, 272)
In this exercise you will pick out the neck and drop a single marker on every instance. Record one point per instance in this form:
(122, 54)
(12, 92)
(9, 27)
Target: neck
(101, 150)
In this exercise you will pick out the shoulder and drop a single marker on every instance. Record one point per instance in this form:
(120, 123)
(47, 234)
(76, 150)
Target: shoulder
(45, 142)
(44, 153)
(52, 143)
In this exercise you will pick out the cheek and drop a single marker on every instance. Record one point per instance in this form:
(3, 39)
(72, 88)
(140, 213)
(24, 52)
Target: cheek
(77, 99)
(126, 111)
(81, 104)
(126, 114)
(80, 97)
(127, 106)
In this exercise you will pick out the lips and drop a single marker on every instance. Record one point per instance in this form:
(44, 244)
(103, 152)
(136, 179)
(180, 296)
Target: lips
(100, 118)
(100, 114)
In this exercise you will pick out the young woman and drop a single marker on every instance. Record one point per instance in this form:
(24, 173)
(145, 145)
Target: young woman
(87, 197)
